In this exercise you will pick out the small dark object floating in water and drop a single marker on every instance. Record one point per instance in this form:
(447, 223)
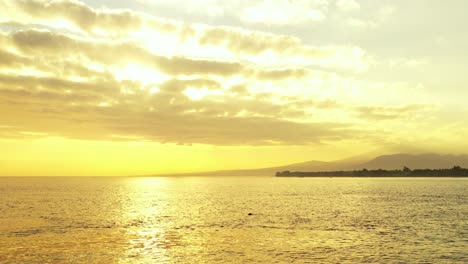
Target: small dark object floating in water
(249, 214)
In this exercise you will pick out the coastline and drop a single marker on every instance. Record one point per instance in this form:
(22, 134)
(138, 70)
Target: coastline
(455, 172)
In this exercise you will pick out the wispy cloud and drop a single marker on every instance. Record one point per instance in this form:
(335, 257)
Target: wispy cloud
(70, 70)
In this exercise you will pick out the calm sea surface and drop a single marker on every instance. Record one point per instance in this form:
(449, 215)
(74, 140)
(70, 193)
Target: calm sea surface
(206, 220)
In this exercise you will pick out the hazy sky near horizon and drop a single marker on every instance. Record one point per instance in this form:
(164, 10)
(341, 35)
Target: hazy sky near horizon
(114, 87)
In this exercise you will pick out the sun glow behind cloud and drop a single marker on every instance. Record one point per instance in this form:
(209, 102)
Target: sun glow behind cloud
(70, 71)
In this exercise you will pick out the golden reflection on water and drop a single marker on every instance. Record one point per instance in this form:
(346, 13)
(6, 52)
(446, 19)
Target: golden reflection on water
(232, 220)
(147, 240)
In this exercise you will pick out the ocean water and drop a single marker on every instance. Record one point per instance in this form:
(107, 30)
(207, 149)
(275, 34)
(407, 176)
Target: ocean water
(206, 220)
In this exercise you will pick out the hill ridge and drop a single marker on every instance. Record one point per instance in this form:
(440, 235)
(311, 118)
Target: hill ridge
(386, 162)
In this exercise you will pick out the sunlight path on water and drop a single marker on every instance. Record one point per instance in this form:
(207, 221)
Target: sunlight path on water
(233, 219)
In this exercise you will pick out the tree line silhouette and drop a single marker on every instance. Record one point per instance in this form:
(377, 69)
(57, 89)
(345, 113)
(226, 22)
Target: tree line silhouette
(456, 171)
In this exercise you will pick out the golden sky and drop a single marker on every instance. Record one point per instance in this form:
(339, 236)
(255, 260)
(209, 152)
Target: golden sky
(138, 87)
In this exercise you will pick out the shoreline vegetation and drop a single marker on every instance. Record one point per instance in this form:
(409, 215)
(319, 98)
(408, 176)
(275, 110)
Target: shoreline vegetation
(456, 171)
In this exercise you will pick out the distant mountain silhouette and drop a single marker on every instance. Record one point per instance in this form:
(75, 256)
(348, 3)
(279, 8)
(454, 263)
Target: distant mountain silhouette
(387, 162)
(422, 161)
